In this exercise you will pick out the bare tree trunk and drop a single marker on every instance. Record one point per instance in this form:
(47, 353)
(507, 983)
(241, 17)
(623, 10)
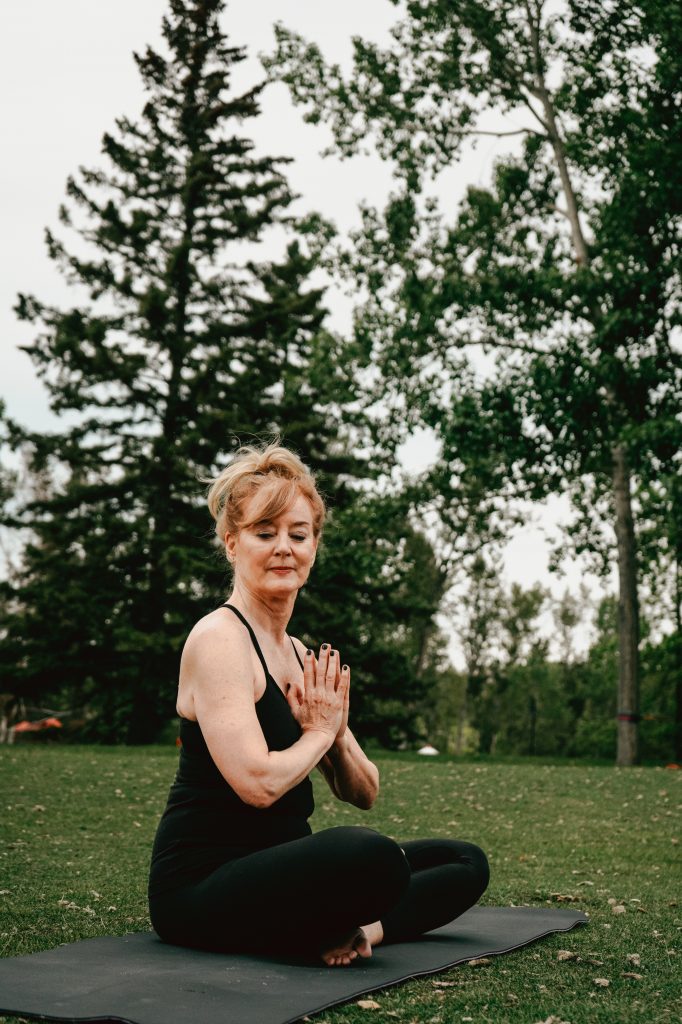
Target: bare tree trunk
(628, 614)
(628, 617)
(461, 721)
(678, 661)
(532, 724)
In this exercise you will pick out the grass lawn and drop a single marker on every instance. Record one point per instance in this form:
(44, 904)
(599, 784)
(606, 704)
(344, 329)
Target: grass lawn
(76, 826)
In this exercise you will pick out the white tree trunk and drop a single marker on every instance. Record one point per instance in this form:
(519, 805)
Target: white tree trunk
(628, 614)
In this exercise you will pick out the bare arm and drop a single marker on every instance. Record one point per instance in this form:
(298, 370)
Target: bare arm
(218, 661)
(351, 775)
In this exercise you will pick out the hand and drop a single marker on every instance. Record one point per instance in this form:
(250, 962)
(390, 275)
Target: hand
(341, 673)
(320, 705)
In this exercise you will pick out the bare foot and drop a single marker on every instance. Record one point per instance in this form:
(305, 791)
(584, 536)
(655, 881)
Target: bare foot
(374, 932)
(347, 949)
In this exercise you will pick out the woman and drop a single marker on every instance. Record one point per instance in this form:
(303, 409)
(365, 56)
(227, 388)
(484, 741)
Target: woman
(235, 864)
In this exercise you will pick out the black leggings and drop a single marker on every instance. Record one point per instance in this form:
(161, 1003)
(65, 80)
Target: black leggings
(297, 896)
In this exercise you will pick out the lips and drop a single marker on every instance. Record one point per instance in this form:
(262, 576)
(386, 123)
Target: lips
(282, 569)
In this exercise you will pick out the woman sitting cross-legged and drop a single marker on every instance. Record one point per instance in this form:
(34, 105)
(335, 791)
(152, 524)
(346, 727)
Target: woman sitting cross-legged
(235, 864)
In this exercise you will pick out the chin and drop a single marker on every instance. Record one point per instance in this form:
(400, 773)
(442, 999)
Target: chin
(285, 584)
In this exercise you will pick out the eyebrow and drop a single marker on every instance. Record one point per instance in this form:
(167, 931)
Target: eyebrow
(268, 522)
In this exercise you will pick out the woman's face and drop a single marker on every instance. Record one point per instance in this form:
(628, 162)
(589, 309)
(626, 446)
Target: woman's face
(274, 557)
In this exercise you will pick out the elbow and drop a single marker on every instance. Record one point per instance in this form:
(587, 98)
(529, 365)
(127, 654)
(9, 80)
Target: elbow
(365, 804)
(366, 800)
(257, 791)
(261, 801)
(260, 795)
(374, 791)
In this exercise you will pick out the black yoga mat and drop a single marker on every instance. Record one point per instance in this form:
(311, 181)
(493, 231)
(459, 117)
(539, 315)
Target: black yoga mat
(137, 978)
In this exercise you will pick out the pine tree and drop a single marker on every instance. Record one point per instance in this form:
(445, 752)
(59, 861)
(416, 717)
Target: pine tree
(183, 344)
(179, 345)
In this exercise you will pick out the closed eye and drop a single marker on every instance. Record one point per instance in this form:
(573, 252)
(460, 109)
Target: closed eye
(294, 536)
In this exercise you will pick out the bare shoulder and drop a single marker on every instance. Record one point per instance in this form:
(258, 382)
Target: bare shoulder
(215, 631)
(216, 651)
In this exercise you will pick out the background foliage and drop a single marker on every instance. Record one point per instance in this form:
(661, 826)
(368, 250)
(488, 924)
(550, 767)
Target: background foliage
(534, 333)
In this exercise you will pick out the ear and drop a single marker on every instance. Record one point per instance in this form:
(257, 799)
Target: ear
(230, 544)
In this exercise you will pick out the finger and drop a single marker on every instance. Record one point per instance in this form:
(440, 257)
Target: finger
(322, 663)
(337, 677)
(332, 668)
(293, 700)
(309, 669)
(344, 682)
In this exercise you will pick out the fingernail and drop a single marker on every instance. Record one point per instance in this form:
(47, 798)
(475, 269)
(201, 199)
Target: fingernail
(308, 653)
(332, 653)
(345, 668)
(325, 646)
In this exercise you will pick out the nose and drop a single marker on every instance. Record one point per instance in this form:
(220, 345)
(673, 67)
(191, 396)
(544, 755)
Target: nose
(283, 542)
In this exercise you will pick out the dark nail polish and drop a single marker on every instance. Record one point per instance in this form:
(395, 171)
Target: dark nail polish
(345, 668)
(332, 653)
(325, 646)
(308, 653)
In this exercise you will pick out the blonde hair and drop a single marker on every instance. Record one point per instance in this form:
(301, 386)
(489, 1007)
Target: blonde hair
(272, 474)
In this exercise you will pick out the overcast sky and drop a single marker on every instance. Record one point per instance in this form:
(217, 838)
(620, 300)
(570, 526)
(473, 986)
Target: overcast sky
(66, 71)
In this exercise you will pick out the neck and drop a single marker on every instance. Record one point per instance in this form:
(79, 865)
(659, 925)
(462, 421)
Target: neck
(269, 618)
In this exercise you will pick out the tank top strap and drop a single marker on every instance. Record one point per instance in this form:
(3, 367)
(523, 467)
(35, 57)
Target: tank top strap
(298, 657)
(252, 634)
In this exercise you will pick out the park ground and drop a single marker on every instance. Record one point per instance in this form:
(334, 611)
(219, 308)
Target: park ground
(76, 826)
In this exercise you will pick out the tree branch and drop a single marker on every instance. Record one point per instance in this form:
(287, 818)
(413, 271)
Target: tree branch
(518, 346)
(556, 141)
(499, 135)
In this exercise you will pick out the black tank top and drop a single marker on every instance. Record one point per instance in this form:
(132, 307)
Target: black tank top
(205, 824)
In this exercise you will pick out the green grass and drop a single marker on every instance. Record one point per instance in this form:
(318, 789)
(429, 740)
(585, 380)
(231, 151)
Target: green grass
(76, 826)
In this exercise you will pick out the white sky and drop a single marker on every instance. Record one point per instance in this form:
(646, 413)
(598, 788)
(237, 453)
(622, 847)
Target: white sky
(66, 71)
